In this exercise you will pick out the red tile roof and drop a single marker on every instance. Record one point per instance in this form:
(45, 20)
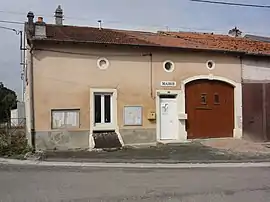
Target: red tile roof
(186, 40)
(92, 35)
(222, 42)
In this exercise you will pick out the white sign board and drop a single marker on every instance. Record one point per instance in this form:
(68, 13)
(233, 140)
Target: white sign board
(133, 115)
(168, 83)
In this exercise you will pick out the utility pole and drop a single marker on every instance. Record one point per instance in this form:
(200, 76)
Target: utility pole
(22, 54)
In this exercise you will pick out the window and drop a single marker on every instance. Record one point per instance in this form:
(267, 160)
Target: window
(203, 99)
(216, 99)
(168, 66)
(103, 108)
(65, 118)
(102, 63)
(107, 108)
(210, 64)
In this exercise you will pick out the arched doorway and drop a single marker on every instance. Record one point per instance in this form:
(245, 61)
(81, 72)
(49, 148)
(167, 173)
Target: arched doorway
(210, 109)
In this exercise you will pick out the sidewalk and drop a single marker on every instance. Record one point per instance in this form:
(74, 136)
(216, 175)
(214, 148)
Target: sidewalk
(194, 152)
(203, 151)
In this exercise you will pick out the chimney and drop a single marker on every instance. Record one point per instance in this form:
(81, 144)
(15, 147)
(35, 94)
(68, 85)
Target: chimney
(30, 17)
(235, 32)
(40, 28)
(30, 23)
(59, 16)
(99, 24)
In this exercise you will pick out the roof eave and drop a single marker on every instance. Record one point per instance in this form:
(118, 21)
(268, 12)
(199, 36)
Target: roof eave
(238, 53)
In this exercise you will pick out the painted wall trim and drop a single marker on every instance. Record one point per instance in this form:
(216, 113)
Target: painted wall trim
(181, 137)
(237, 132)
(209, 77)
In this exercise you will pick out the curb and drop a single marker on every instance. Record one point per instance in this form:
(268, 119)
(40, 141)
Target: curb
(153, 161)
(132, 165)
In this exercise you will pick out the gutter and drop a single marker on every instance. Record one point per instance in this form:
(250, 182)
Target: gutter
(31, 95)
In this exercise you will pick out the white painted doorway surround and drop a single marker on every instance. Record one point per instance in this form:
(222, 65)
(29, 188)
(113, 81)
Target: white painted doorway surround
(168, 118)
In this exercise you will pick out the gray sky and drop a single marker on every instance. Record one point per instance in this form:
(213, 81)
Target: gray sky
(126, 14)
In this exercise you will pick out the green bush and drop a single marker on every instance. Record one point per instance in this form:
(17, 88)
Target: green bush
(13, 145)
(4, 146)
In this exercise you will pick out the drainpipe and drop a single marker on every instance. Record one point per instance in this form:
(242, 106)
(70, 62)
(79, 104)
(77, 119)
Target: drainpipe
(242, 102)
(241, 64)
(151, 74)
(31, 95)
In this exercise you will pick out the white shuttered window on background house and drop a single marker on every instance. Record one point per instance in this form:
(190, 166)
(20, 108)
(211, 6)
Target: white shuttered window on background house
(65, 119)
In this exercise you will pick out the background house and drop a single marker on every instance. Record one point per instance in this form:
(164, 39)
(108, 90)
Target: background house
(256, 95)
(257, 38)
(94, 87)
(18, 115)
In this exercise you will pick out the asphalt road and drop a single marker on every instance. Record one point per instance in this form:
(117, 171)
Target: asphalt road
(38, 184)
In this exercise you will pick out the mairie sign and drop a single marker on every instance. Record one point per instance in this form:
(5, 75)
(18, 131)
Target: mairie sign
(168, 83)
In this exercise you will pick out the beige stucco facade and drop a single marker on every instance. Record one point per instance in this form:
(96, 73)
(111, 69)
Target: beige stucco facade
(64, 77)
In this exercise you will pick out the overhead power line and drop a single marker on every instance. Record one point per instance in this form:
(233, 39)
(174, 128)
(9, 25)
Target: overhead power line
(40, 14)
(149, 26)
(12, 12)
(232, 4)
(160, 27)
(156, 26)
(11, 22)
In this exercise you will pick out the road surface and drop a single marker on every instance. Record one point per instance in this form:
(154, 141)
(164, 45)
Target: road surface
(55, 184)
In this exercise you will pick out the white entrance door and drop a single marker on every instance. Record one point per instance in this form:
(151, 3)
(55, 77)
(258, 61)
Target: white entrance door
(168, 119)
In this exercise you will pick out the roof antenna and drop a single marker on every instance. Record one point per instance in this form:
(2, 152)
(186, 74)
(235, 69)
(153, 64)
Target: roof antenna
(235, 32)
(99, 24)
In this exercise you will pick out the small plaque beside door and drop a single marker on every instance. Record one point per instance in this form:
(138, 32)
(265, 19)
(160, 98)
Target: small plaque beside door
(132, 115)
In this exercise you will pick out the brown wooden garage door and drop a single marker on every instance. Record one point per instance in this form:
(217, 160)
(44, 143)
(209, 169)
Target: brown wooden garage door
(210, 109)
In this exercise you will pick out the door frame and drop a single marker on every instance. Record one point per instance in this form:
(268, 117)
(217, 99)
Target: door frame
(237, 131)
(114, 125)
(174, 134)
(177, 94)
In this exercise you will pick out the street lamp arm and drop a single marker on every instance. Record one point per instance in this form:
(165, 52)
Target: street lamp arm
(11, 29)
